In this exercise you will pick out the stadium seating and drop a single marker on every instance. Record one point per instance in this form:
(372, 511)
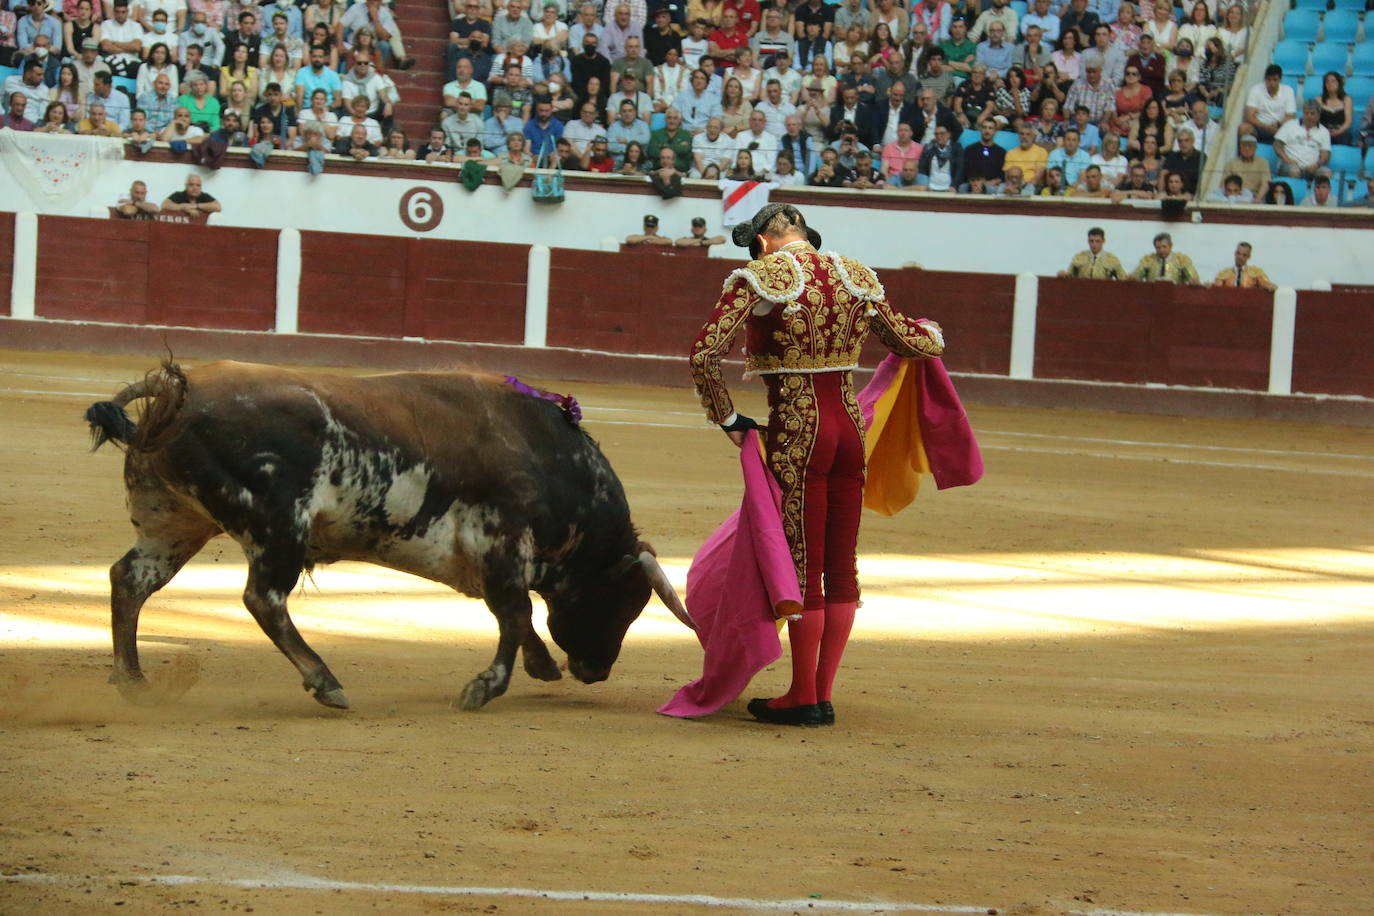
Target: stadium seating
(1361, 88)
(1301, 25)
(7, 72)
(1019, 6)
(125, 83)
(969, 137)
(1345, 159)
(1007, 140)
(1310, 5)
(1369, 161)
(1341, 25)
(1362, 61)
(1297, 186)
(1292, 57)
(1266, 152)
(1329, 56)
(1356, 5)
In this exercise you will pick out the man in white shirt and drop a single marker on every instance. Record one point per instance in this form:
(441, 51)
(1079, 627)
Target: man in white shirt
(585, 129)
(1040, 15)
(462, 125)
(210, 41)
(1303, 147)
(790, 79)
(362, 80)
(29, 84)
(1268, 106)
(763, 145)
(464, 83)
(1320, 195)
(696, 44)
(161, 34)
(121, 40)
(1000, 12)
(1204, 130)
(713, 146)
(175, 10)
(775, 108)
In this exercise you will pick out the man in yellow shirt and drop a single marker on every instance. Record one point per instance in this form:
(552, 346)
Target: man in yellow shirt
(1243, 275)
(1095, 264)
(1166, 264)
(1029, 157)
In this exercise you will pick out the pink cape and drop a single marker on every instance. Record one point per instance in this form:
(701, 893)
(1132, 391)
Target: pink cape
(744, 570)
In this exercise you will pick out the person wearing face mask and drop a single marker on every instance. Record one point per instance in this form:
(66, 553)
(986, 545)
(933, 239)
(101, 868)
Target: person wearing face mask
(209, 40)
(160, 35)
(145, 11)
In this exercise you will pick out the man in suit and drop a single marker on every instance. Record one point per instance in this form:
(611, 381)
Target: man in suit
(895, 110)
(930, 114)
(850, 109)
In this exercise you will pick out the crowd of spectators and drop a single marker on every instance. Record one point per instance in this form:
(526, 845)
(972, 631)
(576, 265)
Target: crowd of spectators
(278, 76)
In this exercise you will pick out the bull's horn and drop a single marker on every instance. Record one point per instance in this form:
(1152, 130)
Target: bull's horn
(664, 589)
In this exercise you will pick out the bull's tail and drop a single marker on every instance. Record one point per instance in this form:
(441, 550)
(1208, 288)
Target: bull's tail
(165, 388)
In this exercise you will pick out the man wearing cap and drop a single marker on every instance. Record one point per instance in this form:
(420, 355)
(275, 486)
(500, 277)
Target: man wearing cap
(698, 237)
(1253, 171)
(806, 315)
(650, 235)
(87, 65)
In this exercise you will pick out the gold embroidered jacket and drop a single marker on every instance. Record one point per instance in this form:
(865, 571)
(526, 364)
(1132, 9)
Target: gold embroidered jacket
(805, 311)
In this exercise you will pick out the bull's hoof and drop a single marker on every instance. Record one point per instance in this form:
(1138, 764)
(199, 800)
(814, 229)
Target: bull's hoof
(133, 687)
(333, 698)
(542, 669)
(481, 690)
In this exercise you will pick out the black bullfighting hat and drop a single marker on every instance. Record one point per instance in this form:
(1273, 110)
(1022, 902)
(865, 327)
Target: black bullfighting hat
(746, 234)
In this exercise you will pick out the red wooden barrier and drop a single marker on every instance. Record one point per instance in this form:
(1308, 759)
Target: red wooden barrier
(432, 288)
(6, 260)
(1331, 350)
(1137, 333)
(156, 273)
(973, 309)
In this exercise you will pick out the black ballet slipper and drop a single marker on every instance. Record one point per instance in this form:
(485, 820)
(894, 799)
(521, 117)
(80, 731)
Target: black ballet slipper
(807, 714)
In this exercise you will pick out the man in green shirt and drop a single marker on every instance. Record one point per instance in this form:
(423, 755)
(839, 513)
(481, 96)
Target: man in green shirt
(673, 137)
(959, 51)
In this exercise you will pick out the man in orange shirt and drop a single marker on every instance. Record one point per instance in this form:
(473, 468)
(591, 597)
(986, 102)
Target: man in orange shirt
(1243, 275)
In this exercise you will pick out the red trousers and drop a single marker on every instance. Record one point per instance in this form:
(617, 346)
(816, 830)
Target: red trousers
(815, 450)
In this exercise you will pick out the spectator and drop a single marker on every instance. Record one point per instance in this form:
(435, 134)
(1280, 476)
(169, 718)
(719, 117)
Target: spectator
(239, 102)
(542, 129)
(774, 37)
(192, 201)
(563, 153)
(136, 206)
(181, 130)
(36, 23)
(320, 117)
(588, 65)
(239, 68)
(996, 53)
(941, 165)
(1253, 171)
(1095, 264)
(999, 13)
(1279, 194)
(974, 97)
(632, 62)
(1090, 185)
(14, 118)
(586, 24)
(620, 28)
(1125, 32)
(909, 178)
(1133, 95)
(775, 109)
(712, 151)
(1053, 185)
(1070, 158)
(762, 145)
(121, 41)
(282, 116)
(436, 150)
(984, 160)
(159, 34)
(1303, 147)
(697, 237)
(1135, 186)
(627, 90)
(356, 145)
(726, 42)
(248, 35)
(1092, 92)
(1033, 53)
(499, 126)
(635, 160)
(96, 124)
(1215, 73)
(208, 40)
(116, 104)
(650, 234)
(56, 120)
(460, 33)
(743, 167)
(1234, 34)
(1014, 184)
(28, 84)
(1039, 16)
(1089, 136)
(865, 175)
(281, 37)
(87, 64)
(1242, 274)
(67, 89)
(1150, 63)
(75, 30)
(1067, 58)
(462, 124)
(1166, 264)
(1028, 156)
(514, 91)
(203, 107)
(893, 111)
(1011, 104)
(1320, 195)
(1336, 108)
(1174, 188)
(903, 150)
(830, 173)
(1049, 127)
(1268, 106)
(664, 36)
(1232, 191)
(374, 15)
(1078, 18)
(675, 138)
(1110, 161)
(1203, 129)
(849, 110)
(598, 156)
(194, 63)
(582, 131)
(1186, 163)
(1368, 199)
(159, 62)
(318, 76)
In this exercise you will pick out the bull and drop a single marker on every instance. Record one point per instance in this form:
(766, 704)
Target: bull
(456, 476)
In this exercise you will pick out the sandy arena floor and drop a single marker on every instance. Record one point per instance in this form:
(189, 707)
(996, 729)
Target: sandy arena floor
(1129, 672)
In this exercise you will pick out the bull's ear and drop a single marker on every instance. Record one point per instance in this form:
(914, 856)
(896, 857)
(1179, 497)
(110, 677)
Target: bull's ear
(662, 587)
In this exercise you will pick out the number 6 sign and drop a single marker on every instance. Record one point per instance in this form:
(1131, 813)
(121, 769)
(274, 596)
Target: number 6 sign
(421, 209)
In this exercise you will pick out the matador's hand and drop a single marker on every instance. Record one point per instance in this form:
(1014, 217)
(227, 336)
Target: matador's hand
(738, 427)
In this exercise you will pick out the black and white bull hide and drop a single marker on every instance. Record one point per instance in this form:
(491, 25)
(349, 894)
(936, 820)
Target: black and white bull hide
(453, 476)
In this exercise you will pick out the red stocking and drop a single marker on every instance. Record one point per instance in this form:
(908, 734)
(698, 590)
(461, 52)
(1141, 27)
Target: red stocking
(805, 637)
(839, 620)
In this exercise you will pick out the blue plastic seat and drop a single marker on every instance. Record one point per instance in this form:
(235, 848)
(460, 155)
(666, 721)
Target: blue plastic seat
(658, 121)
(1292, 57)
(1266, 152)
(1310, 5)
(1362, 60)
(1360, 88)
(1298, 187)
(1301, 25)
(1007, 140)
(1344, 159)
(1356, 5)
(1369, 161)
(969, 137)
(1019, 6)
(123, 82)
(1327, 56)
(1340, 25)
(7, 72)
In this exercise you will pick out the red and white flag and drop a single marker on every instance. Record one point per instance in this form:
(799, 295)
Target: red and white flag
(742, 199)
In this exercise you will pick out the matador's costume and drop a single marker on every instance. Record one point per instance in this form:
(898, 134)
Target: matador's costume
(806, 315)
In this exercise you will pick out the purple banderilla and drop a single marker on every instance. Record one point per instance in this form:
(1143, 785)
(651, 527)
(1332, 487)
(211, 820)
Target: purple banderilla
(566, 402)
